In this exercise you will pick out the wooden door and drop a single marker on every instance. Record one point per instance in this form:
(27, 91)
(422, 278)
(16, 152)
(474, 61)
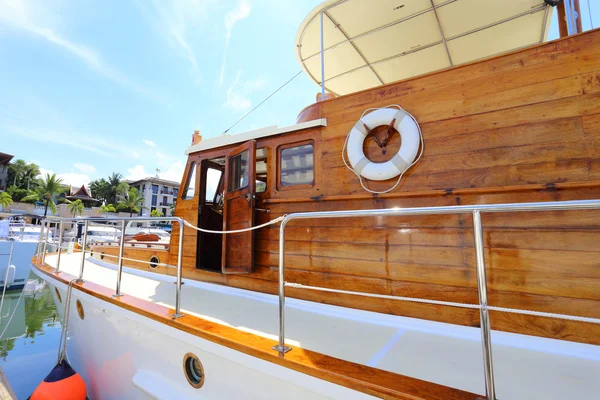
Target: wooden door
(238, 211)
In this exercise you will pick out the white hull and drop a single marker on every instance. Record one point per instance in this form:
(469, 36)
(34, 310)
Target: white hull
(21, 259)
(122, 355)
(137, 357)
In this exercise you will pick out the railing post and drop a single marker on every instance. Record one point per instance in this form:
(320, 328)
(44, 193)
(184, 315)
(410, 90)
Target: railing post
(486, 337)
(60, 243)
(45, 242)
(120, 269)
(322, 61)
(83, 243)
(38, 250)
(281, 347)
(178, 283)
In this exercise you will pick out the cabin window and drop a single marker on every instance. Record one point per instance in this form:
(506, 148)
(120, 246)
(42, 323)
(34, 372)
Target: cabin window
(213, 177)
(238, 171)
(296, 164)
(189, 189)
(262, 169)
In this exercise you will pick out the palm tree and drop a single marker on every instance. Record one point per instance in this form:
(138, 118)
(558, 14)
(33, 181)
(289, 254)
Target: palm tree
(47, 188)
(105, 209)
(75, 207)
(114, 181)
(17, 169)
(5, 200)
(132, 201)
(156, 213)
(31, 171)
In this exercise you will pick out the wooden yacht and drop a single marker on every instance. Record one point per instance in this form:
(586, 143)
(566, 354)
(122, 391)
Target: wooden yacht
(443, 183)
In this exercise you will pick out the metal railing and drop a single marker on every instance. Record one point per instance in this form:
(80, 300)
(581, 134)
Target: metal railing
(59, 224)
(476, 212)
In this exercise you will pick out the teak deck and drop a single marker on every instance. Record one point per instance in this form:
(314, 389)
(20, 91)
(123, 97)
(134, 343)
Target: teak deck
(520, 127)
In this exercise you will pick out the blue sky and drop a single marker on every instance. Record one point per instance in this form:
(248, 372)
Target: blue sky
(91, 87)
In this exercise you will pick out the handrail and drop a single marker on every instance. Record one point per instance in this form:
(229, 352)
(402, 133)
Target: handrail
(475, 211)
(46, 223)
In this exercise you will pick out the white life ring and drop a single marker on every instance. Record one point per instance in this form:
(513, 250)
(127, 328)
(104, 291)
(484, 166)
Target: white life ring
(411, 138)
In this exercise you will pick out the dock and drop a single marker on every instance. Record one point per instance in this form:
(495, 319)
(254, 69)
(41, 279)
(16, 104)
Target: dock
(6, 392)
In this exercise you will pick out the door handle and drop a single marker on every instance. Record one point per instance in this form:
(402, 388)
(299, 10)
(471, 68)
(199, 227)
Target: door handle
(250, 197)
(265, 210)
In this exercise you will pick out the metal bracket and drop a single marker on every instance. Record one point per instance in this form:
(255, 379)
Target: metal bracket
(282, 350)
(79, 280)
(175, 316)
(116, 296)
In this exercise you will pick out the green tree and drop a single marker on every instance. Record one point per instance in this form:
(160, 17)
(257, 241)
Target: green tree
(5, 199)
(31, 173)
(101, 190)
(114, 180)
(46, 189)
(132, 201)
(75, 207)
(108, 208)
(16, 170)
(156, 213)
(18, 194)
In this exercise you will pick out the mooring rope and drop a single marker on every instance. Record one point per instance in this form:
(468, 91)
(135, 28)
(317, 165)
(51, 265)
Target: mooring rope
(62, 346)
(271, 222)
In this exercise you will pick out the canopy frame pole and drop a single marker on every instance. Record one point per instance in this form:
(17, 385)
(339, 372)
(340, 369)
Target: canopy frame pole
(322, 61)
(439, 24)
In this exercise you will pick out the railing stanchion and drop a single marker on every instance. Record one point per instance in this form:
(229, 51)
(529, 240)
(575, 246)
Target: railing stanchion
(281, 347)
(179, 272)
(486, 337)
(60, 243)
(83, 243)
(38, 250)
(45, 242)
(120, 269)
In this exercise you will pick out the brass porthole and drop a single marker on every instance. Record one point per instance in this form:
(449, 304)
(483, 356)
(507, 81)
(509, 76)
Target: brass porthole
(80, 310)
(154, 261)
(58, 295)
(193, 370)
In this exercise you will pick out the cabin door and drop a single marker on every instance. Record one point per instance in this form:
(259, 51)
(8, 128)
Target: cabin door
(238, 209)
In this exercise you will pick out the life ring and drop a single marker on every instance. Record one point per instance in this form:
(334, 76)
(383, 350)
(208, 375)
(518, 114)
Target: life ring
(411, 138)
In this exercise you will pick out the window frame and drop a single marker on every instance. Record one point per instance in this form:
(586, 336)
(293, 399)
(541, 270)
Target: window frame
(285, 146)
(191, 172)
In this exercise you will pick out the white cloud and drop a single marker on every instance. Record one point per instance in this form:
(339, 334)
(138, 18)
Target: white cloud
(32, 19)
(69, 178)
(175, 21)
(86, 168)
(240, 12)
(149, 143)
(137, 172)
(173, 172)
(83, 141)
(238, 99)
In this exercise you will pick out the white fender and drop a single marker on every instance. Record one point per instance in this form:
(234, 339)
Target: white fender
(409, 132)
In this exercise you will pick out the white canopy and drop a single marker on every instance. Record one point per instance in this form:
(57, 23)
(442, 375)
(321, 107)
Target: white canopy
(373, 42)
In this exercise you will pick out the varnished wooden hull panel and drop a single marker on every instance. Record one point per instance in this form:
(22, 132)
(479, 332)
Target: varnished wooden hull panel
(518, 128)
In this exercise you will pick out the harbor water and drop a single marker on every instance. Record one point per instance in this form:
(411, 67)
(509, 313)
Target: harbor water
(28, 348)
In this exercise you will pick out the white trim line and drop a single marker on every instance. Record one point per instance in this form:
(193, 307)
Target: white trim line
(225, 140)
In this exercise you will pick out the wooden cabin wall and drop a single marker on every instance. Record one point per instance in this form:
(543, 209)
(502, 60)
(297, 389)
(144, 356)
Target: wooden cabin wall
(518, 128)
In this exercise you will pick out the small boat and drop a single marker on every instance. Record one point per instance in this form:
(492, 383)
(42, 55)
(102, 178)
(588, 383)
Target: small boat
(17, 246)
(427, 229)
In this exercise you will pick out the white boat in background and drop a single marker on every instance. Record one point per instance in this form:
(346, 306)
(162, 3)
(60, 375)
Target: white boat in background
(18, 243)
